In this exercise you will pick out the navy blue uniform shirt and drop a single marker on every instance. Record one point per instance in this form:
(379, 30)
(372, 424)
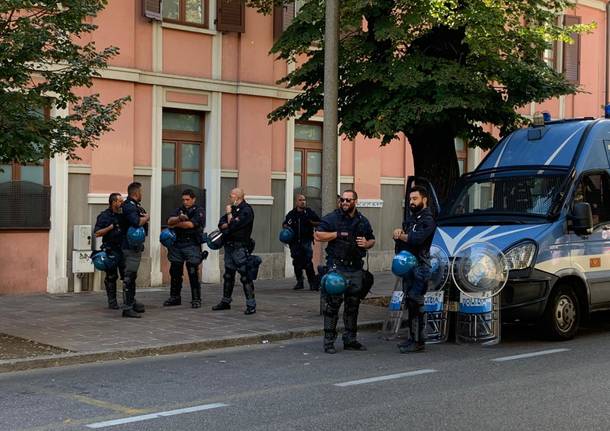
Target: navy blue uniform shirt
(420, 228)
(301, 223)
(132, 211)
(241, 225)
(196, 216)
(344, 248)
(114, 238)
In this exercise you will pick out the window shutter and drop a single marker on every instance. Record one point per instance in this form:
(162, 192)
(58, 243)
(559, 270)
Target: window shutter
(231, 16)
(282, 18)
(152, 9)
(571, 52)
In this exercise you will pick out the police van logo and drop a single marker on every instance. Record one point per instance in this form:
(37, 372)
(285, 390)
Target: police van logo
(454, 243)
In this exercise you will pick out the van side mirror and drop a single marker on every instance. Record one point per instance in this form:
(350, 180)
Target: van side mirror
(582, 218)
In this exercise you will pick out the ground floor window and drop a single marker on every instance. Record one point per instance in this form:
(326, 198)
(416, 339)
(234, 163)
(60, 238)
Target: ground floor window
(182, 159)
(308, 163)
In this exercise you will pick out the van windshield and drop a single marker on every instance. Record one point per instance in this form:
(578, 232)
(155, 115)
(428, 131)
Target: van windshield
(528, 194)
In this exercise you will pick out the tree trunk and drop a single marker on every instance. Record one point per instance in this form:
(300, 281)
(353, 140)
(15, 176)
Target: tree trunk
(434, 158)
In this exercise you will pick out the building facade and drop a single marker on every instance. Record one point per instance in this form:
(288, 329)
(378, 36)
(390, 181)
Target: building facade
(202, 82)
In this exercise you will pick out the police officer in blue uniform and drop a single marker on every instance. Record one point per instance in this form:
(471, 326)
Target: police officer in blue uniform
(188, 222)
(302, 221)
(416, 237)
(236, 226)
(349, 235)
(108, 227)
(133, 215)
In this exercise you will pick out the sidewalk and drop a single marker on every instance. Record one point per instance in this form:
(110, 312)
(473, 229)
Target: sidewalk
(77, 328)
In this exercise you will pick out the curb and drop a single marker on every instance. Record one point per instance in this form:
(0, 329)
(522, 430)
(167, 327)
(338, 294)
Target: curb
(66, 359)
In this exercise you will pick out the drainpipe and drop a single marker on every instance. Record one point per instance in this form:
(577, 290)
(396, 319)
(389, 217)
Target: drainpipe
(607, 52)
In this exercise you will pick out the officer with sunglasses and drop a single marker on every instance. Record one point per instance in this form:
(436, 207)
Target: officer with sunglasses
(349, 235)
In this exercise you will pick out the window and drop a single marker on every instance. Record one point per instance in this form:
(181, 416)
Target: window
(25, 194)
(308, 163)
(461, 151)
(595, 190)
(188, 12)
(549, 56)
(182, 159)
(571, 52)
(283, 16)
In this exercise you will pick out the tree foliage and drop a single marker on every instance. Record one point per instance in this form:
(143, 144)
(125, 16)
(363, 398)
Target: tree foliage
(46, 56)
(431, 69)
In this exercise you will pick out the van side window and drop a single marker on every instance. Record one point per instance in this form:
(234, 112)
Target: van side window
(595, 190)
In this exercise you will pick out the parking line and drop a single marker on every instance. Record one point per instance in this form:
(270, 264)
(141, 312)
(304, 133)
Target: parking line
(386, 377)
(529, 355)
(150, 416)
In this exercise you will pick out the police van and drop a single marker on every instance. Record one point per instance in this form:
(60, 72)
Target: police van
(527, 234)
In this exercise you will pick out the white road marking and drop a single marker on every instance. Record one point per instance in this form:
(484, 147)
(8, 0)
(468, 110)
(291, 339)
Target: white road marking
(387, 377)
(529, 355)
(155, 415)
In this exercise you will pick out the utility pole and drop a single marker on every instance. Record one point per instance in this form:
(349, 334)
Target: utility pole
(331, 77)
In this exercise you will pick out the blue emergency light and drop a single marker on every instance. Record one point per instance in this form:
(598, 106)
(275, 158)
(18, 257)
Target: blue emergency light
(607, 111)
(546, 116)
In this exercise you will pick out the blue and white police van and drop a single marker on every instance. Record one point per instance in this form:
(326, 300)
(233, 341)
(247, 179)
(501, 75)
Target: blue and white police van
(526, 236)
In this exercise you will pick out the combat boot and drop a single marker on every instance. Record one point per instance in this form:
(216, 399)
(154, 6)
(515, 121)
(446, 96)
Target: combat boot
(222, 306)
(174, 295)
(195, 297)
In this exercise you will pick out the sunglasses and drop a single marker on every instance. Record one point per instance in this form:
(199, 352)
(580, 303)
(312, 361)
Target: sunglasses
(348, 200)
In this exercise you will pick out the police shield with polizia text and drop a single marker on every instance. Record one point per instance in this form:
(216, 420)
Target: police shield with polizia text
(134, 222)
(108, 227)
(187, 223)
(416, 236)
(236, 227)
(301, 222)
(349, 235)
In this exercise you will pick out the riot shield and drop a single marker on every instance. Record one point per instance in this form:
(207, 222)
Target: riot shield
(435, 301)
(480, 272)
(395, 324)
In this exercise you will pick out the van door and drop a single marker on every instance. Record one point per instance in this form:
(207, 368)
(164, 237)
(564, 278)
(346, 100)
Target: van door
(590, 254)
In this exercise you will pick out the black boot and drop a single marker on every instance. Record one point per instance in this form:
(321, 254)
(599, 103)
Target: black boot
(298, 273)
(129, 295)
(138, 307)
(222, 306)
(112, 302)
(174, 294)
(312, 278)
(196, 297)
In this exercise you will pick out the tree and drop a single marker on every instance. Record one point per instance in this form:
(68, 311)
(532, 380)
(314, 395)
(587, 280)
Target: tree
(431, 69)
(44, 60)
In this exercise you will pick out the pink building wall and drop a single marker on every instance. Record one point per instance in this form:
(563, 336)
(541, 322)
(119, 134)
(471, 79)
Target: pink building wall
(23, 262)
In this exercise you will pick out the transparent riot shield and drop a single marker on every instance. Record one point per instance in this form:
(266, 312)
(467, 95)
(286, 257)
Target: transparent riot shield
(395, 323)
(435, 301)
(480, 272)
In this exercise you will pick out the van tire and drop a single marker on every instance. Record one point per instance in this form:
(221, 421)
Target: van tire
(562, 314)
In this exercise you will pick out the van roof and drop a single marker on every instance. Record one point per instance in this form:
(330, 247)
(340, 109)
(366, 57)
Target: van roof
(553, 144)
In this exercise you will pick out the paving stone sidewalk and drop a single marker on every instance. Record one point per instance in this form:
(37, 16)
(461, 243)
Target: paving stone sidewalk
(80, 323)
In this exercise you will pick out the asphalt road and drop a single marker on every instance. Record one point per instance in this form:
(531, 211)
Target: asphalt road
(294, 386)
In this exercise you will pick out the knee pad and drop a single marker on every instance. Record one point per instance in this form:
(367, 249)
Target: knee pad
(414, 307)
(191, 269)
(175, 270)
(111, 278)
(228, 277)
(244, 279)
(352, 302)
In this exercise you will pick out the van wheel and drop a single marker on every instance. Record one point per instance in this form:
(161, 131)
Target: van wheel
(562, 314)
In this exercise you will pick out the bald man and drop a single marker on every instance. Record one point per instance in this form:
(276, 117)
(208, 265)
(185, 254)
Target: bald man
(236, 227)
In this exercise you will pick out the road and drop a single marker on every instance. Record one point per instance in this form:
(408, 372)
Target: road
(523, 383)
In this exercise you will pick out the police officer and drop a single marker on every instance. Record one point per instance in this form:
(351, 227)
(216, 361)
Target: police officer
(416, 236)
(188, 222)
(108, 227)
(133, 215)
(349, 235)
(302, 221)
(236, 226)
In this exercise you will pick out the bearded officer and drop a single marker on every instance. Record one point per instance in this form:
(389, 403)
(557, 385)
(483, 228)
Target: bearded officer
(187, 222)
(349, 235)
(416, 236)
(302, 221)
(107, 226)
(236, 226)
